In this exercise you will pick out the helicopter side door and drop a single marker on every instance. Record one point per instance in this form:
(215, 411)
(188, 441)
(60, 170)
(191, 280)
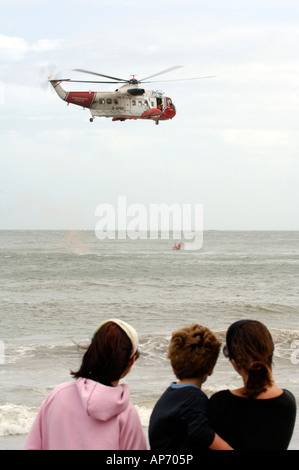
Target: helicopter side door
(128, 105)
(161, 103)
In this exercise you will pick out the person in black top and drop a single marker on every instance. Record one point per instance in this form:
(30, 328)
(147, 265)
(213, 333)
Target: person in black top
(259, 415)
(179, 421)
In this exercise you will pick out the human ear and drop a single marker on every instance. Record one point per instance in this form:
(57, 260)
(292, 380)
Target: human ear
(130, 363)
(236, 366)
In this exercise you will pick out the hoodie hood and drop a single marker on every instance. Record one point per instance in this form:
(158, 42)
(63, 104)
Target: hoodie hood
(102, 402)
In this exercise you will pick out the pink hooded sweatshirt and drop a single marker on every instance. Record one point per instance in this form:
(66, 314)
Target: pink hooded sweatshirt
(86, 415)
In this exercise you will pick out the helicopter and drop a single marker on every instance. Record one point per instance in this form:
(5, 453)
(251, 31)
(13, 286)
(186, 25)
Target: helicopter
(128, 102)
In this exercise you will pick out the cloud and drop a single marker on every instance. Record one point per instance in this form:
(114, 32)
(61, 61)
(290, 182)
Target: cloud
(231, 133)
(260, 139)
(12, 48)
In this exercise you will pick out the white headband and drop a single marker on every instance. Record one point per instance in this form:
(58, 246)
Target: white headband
(128, 329)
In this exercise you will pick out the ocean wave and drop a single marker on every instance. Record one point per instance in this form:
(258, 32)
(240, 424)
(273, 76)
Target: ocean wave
(286, 343)
(144, 413)
(16, 419)
(152, 346)
(15, 353)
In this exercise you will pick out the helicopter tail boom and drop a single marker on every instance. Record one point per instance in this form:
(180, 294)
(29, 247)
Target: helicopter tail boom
(58, 88)
(80, 98)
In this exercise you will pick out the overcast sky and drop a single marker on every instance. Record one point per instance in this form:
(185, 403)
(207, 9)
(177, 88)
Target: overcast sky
(233, 146)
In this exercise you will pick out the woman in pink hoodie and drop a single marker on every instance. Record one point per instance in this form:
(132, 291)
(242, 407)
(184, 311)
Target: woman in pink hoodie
(94, 412)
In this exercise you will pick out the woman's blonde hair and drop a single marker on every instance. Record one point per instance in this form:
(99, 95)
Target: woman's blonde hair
(193, 351)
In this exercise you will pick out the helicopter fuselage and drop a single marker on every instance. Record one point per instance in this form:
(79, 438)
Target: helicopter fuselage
(127, 102)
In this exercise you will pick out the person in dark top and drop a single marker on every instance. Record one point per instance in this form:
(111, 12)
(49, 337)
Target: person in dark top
(179, 421)
(259, 415)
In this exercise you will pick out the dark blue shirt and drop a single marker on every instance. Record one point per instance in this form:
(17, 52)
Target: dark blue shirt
(179, 421)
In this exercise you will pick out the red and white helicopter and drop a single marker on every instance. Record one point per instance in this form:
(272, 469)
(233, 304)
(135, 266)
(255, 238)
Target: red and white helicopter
(126, 102)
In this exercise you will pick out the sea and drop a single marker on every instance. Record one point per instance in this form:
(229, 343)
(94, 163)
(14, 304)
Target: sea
(58, 286)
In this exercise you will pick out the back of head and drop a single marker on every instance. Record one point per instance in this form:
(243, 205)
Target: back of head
(250, 344)
(193, 351)
(108, 355)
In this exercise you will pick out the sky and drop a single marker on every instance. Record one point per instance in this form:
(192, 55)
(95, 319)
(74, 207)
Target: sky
(232, 147)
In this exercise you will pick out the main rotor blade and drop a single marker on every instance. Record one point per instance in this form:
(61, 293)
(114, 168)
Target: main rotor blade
(89, 81)
(100, 75)
(170, 69)
(180, 79)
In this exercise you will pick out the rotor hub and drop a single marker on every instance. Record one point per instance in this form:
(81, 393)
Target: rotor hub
(133, 80)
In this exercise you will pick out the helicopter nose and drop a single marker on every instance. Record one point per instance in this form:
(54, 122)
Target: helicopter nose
(172, 109)
(171, 106)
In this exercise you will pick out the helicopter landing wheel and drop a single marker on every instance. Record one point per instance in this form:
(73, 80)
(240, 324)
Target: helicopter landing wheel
(91, 119)
(156, 122)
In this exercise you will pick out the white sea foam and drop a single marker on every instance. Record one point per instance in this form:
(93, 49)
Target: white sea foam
(16, 419)
(144, 414)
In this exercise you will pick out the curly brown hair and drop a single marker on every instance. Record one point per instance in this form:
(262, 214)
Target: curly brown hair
(193, 351)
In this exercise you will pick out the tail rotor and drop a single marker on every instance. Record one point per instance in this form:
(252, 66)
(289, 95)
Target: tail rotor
(48, 72)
